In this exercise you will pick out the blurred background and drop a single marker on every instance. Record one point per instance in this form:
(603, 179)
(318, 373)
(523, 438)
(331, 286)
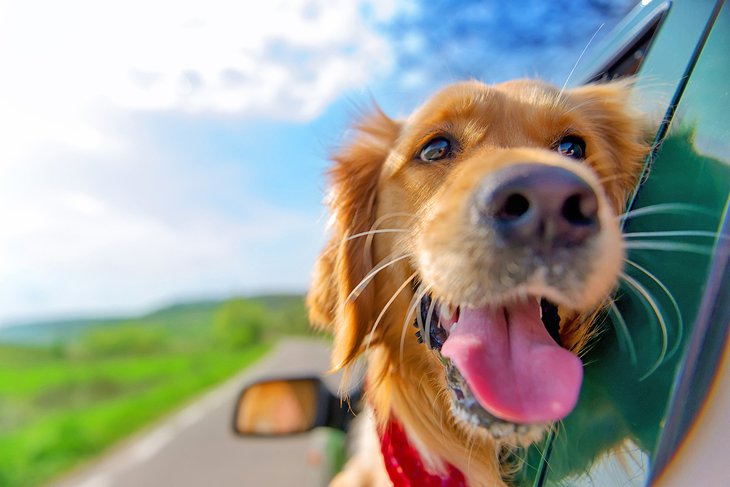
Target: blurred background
(161, 183)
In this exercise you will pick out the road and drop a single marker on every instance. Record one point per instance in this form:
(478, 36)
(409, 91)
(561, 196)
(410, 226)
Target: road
(195, 446)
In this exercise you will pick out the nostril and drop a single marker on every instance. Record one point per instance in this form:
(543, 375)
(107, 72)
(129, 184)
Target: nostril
(538, 206)
(580, 209)
(514, 207)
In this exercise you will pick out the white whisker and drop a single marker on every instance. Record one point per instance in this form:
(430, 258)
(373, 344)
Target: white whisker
(394, 214)
(680, 323)
(549, 440)
(427, 329)
(666, 208)
(417, 296)
(668, 247)
(578, 106)
(419, 321)
(385, 308)
(373, 232)
(366, 280)
(622, 331)
(570, 75)
(673, 233)
(633, 283)
(369, 241)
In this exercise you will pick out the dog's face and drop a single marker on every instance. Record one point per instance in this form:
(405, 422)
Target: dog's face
(497, 206)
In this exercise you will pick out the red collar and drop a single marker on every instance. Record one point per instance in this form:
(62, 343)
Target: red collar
(405, 466)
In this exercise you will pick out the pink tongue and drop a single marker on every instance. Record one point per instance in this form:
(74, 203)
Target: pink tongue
(513, 367)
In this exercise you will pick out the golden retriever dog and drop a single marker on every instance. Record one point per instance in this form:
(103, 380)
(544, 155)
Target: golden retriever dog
(489, 220)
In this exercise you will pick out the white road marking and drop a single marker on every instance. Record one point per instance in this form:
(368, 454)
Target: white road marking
(99, 480)
(150, 445)
(147, 445)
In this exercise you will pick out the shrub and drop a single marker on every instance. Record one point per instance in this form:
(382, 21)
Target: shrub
(239, 323)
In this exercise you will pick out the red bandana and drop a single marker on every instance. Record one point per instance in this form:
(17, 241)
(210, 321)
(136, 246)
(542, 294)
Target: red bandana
(405, 466)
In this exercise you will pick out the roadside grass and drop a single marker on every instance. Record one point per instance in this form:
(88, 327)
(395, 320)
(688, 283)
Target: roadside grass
(64, 403)
(80, 410)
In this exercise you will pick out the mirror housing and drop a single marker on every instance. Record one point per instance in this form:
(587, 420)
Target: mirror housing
(287, 406)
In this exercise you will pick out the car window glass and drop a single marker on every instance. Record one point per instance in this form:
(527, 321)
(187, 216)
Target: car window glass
(627, 60)
(612, 436)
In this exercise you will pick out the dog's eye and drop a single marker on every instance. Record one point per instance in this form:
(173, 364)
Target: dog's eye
(436, 149)
(572, 146)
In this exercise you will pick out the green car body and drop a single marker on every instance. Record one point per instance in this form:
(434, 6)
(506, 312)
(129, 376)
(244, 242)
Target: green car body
(647, 377)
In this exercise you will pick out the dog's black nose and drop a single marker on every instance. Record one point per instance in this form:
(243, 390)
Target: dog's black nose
(536, 204)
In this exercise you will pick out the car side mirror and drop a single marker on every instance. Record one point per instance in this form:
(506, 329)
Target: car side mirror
(286, 406)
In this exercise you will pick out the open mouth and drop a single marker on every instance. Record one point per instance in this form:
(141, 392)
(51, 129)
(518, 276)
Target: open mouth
(505, 366)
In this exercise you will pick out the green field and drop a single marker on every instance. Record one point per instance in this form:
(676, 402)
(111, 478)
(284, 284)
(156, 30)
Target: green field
(70, 389)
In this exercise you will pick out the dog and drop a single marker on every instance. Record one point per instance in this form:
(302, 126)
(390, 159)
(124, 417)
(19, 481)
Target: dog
(488, 218)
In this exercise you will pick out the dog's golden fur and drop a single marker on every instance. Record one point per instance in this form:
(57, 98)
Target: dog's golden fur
(376, 183)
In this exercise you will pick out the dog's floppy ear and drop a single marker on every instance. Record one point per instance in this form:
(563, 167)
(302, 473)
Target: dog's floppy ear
(344, 262)
(609, 110)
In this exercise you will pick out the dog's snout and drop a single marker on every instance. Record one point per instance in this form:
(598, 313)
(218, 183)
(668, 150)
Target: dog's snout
(536, 204)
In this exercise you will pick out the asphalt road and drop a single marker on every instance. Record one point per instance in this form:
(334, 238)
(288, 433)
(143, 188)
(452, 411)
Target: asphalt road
(195, 446)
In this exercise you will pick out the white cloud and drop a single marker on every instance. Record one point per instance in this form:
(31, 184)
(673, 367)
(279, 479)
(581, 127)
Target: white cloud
(62, 61)
(95, 216)
(74, 240)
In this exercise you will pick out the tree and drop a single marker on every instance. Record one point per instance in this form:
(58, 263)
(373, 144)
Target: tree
(239, 323)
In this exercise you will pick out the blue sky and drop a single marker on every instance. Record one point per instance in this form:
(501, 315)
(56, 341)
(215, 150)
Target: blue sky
(160, 151)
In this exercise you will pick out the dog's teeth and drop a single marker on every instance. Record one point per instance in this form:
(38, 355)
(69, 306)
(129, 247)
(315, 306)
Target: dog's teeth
(538, 305)
(444, 312)
(453, 326)
(447, 312)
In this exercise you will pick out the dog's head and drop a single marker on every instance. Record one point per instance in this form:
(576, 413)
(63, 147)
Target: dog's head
(489, 219)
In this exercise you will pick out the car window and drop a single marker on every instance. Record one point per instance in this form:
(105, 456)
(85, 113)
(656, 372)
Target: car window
(700, 125)
(628, 58)
(625, 413)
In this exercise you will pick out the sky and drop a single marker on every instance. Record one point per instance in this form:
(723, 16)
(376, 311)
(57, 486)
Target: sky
(153, 152)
